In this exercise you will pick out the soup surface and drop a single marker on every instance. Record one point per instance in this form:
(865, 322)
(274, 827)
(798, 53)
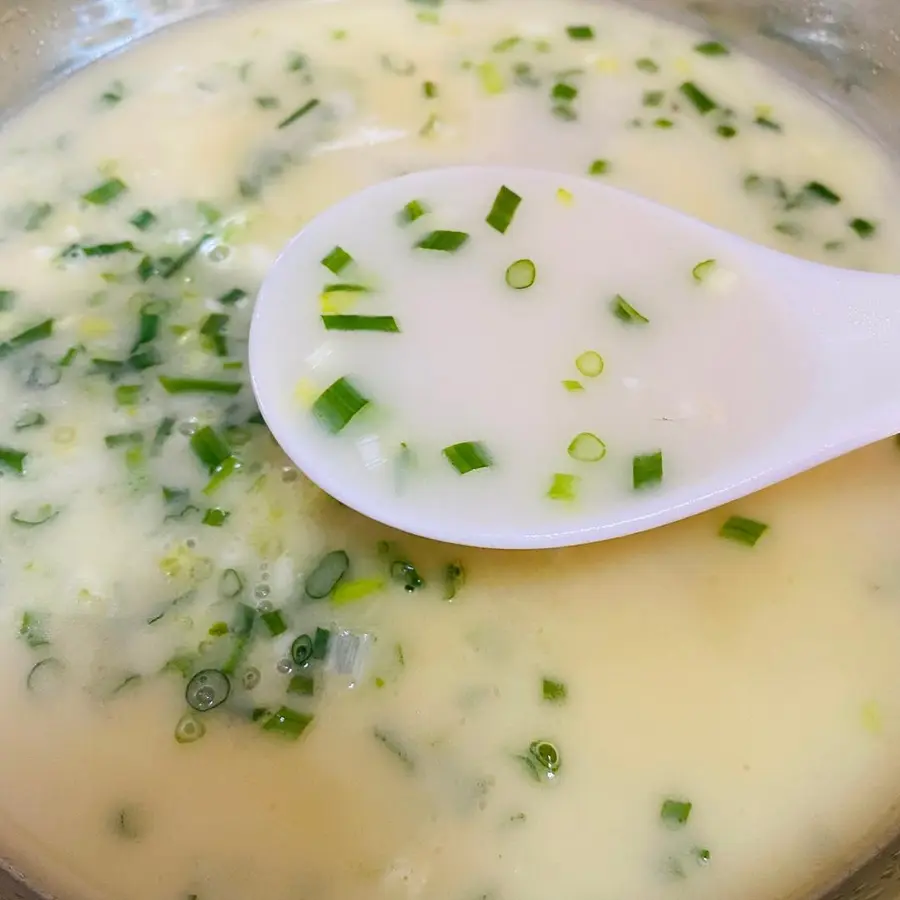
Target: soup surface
(219, 683)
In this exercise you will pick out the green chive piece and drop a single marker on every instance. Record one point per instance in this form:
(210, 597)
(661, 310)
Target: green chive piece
(166, 267)
(29, 419)
(446, 241)
(454, 579)
(307, 107)
(703, 270)
(467, 456)
(267, 102)
(587, 447)
(38, 332)
(563, 487)
(327, 574)
(623, 310)
(711, 48)
(338, 404)
(863, 228)
(521, 274)
(701, 854)
(304, 685)
(767, 123)
(394, 746)
(174, 385)
(543, 760)
(505, 205)
(675, 813)
(822, 192)
(212, 333)
(647, 65)
(337, 260)
(572, 386)
(7, 300)
(590, 364)
(106, 192)
(143, 220)
(35, 215)
(701, 101)
(744, 531)
(288, 722)
(274, 621)
(490, 78)
(429, 89)
(361, 323)
(344, 287)
(128, 394)
(321, 642)
(235, 295)
(726, 131)
(33, 631)
(95, 250)
(405, 573)
(789, 229)
(564, 92)
(351, 591)
(580, 32)
(554, 691)
(653, 98)
(209, 447)
(647, 469)
(599, 167)
(663, 123)
(34, 516)
(413, 210)
(506, 44)
(215, 517)
(124, 439)
(12, 459)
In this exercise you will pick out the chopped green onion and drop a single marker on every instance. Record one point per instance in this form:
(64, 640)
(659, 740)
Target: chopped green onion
(647, 65)
(98, 250)
(821, 192)
(296, 62)
(587, 447)
(210, 213)
(351, 591)
(230, 584)
(490, 78)
(209, 448)
(647, 470)
(506, 44)
(343, 287)
(701, 854)
(35, 215)
(599, 167)
(337, 260)
(789, 229)
(863, 227)
(302, 650)
(267, 102)
(12, 459)
(123, 439)
(338, 404)
(7, 300)
(623, 310)
(235, 295)
(554, 691)
(321, 642)
(31, 335)
(675, 813)
(405, 573)
(413, 210)
(445, 241)
(189, 729)
(563, 487)
(105, 193)
(572, 386)
(394, 746)
(128, 394)
(303, 685)
(767, 123)
(31, 518)
(208, 689)
(580, 32)
(307, 107)
(325, 576)
(701, 101)
(454, 579)
(174, 385)
(712, 48)
(361, 323)
(429, 89)
(744, 531)
(564, 92)
(663, 123)
(505, 205)
(467, 456)
(32, 630)
(521, 274)
(143, 220)
(215, 517)
(590, 364)
(726, 131)
(69, 356)
(113, 94)
(29, 419)
(543, 760)
(274, 621)
(653, 98)
(221, 474)
(703, 270)
(288, 722)
(166, 267)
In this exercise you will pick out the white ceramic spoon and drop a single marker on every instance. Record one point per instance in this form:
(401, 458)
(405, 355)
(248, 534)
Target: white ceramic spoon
(823, 345)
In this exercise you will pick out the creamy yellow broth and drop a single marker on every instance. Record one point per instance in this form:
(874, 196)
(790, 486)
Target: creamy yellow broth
(759, 684)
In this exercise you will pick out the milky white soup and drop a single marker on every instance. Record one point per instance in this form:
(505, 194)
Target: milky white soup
(218, 683)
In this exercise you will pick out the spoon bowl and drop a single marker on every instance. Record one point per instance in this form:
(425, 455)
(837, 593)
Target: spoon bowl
(427, 352)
